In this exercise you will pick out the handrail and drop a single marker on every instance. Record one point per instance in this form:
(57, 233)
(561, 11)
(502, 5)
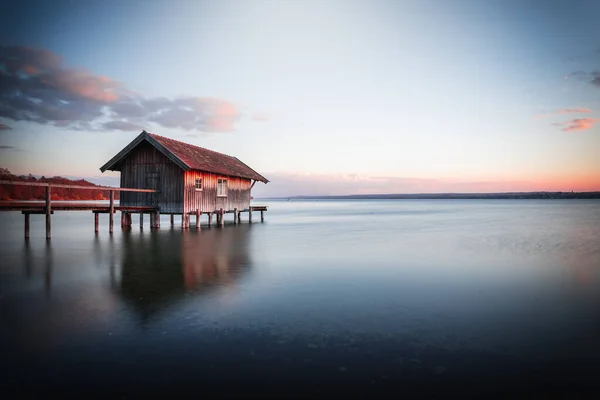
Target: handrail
(60, 185)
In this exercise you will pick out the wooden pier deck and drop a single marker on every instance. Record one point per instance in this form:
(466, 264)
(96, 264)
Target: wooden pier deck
(47, 207)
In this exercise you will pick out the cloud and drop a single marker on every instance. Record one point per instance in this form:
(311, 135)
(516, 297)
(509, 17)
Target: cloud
(596, 79)
(4, 127)
(35, 86)
(4, 147)
(591, 77)
(574, 110)
(259, 117)
(579, 124)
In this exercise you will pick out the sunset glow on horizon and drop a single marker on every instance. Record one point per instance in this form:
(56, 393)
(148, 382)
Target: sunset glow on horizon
(321, 97)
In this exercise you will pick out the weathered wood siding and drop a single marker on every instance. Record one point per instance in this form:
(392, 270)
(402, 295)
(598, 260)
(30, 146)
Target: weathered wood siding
(238, 192)
(148, 168)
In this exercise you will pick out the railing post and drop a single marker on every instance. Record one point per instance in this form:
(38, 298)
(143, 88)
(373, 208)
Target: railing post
(48, 213)
(111, 212)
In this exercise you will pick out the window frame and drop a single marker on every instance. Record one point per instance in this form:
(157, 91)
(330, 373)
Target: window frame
(198, 181)
(222, 187)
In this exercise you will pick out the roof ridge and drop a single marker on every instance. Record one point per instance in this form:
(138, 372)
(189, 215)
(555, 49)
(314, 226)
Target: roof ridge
(190, 144)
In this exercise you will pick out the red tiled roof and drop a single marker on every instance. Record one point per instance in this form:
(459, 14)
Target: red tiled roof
(199, 158)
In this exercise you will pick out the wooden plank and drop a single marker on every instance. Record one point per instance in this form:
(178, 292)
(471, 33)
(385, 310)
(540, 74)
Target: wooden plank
(48, 213)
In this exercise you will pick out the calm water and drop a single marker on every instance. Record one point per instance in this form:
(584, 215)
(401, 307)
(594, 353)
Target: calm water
(325, 298)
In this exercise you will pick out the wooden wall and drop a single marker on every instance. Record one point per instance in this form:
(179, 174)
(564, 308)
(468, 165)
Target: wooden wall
(238, 192)
(148, 168)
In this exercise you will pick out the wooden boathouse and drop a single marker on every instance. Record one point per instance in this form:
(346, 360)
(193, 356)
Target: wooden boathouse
(187, 179)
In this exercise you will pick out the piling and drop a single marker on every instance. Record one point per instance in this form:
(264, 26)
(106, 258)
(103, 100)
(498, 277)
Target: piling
(48, 214)
(27, 218)
(111, 212)
(96, 220)
(198, 215)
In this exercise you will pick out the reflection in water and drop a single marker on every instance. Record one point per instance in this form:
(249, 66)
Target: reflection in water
(159, 268)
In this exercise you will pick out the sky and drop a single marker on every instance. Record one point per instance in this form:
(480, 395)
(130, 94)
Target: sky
(321, 97)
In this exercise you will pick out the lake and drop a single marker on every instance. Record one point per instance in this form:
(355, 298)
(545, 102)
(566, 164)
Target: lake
(324, 299)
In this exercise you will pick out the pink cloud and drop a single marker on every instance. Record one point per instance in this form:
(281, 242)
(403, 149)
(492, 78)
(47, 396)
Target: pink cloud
(4, 127)
(574, 110)
(260, 117)
(579, 124)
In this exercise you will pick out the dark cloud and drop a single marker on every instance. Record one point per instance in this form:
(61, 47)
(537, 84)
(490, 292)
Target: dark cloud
(4, 127)
(596, 79)
(3, 147)
(593, 77)
(36, 87)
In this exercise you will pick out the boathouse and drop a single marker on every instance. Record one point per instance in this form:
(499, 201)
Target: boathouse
(189, 180)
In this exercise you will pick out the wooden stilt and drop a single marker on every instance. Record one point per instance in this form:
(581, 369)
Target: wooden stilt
(222, 222)
(210, 217)
(172, 219)
(183, 221)
(96, 220)
(157, 223)
(48, 213)
(141, 220)
(239, 217)
(262, 216)
(129, 220)
(250, 215)
(111, 212)
(235, 214)
(123, 219)
(27, 218)
(198, 215)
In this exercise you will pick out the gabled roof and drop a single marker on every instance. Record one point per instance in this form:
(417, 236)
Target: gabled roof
(187, 156)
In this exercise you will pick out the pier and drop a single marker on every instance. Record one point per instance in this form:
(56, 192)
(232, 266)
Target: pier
(48, 207)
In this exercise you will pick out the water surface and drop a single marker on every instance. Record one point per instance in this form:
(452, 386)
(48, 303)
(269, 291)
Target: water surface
(325, 298)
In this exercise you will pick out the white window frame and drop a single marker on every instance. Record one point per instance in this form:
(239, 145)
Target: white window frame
(198, 181)
(222, 187)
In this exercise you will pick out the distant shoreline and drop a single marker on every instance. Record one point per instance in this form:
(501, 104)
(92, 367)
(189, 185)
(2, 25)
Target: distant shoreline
(446, 196)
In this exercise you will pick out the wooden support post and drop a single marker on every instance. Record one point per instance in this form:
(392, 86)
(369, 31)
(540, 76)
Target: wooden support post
(129, 219)
(157, 223)
(210, 216)
(262, 216)
(182, 220)
(123, 219)
(235, 214)
(111, 212)
(239, 217)
(198, 215)
(27, 218)
(48, 213)
(141, 220)
(222, 212)
(172, 219)
(250, 215)
(96, 219)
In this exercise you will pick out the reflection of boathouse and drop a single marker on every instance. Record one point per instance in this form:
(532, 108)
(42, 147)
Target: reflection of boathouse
(158, 270)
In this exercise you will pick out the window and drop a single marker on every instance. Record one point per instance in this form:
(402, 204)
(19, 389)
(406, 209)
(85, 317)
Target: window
(198, 184)
(222, 187)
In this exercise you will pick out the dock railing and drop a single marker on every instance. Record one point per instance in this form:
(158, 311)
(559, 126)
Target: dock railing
(46, 206)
